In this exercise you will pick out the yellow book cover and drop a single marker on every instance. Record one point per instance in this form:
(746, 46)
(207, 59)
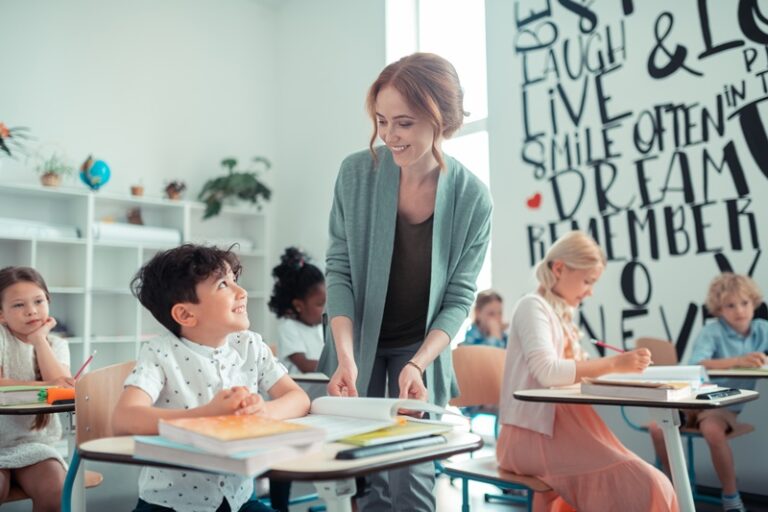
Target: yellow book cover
(236, 433)
(398, 432)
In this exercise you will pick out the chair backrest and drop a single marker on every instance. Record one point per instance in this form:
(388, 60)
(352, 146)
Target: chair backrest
(96, 395)
(662, 351)
(479, 370)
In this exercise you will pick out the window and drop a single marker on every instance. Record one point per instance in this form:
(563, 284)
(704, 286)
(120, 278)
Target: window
(454, 29)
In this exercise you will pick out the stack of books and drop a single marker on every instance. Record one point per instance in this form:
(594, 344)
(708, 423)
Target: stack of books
(247, 444)
(654, 383)
(23, 395)
(371, 421)
(649, 390)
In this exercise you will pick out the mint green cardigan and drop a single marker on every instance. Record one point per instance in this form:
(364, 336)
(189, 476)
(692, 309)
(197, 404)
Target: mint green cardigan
(362, 232)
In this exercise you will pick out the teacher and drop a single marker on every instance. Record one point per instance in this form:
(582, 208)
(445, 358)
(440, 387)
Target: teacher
(409, 229)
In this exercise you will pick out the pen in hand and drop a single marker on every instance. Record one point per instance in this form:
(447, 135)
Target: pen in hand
(610, 347)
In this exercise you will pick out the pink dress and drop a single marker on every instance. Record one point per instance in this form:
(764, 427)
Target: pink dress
(567, 446)
(585, 464)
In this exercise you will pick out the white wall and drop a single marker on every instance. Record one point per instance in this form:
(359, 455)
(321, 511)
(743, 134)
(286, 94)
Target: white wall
(669, 304)
(159, 90)
(328, 54)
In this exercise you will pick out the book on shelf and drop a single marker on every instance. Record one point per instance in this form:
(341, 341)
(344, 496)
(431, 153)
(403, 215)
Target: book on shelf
(22, 395)
(344, 417)
(649, 390)
(248, 463)
(232, 434)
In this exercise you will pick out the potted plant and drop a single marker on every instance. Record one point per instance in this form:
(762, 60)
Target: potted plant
(236, 184)
(12, 138)
(174, 189)
(52, 168)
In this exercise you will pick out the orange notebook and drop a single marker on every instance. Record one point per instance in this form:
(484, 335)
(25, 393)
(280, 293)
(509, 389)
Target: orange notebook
(233, 434)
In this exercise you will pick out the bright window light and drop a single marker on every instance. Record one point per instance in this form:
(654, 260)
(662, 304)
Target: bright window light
(402, 31)
(455, 29)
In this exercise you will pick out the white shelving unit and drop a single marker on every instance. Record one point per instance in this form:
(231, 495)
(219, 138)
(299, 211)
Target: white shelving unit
(89, 277)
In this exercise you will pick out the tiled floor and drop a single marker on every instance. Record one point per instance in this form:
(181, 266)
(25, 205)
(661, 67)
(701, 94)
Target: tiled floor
(118, 494)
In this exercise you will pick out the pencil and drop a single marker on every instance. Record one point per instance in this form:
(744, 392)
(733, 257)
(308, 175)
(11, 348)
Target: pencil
(611, 347)
(86, 363)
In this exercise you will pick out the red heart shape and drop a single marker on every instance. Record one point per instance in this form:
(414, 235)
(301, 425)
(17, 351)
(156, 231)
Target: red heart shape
(534, 201)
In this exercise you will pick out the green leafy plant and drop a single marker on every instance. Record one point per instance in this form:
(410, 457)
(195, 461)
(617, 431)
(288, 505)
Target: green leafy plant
(13, 138)
(54, 163)
(239, 184)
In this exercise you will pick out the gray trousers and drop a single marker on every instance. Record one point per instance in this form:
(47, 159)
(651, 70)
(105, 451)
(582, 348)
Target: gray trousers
(410, 488)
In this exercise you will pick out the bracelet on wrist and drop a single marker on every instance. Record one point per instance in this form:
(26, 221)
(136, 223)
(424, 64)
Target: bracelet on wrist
(416, 365)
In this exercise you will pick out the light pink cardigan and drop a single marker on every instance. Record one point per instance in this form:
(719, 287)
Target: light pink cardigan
(534, 361)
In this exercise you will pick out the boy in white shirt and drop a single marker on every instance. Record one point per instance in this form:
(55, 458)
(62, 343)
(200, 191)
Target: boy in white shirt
(209, 365)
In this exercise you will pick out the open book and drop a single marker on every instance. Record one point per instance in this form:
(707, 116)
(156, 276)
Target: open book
(232, 434)
(248, 463)
(343, 417)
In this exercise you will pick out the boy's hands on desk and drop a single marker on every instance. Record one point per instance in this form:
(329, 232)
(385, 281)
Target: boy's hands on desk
(633, 361)
(236, 400)
(751, 360)
(253, 404)
(227, 401)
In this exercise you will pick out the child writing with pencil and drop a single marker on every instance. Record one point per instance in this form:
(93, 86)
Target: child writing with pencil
(210, 364)
(30, 355)
(569, 446)
(735, 339)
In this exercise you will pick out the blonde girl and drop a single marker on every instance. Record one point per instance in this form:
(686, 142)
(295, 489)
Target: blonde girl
(569, 446)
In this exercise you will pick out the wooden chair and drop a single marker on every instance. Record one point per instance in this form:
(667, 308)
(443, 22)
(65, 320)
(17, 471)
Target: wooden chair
(663, 353)
(479, 371)
(96, 395)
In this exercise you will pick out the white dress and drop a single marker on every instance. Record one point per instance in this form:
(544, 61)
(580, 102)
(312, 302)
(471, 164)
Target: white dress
(295, 337)
(21, 446)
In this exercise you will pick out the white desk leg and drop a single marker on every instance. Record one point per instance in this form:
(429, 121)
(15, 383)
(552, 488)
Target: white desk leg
(78, 489)
(337, 494)
(669, 421)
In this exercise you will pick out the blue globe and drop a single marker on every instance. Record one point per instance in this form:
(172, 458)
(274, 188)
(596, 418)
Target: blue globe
(97, 175)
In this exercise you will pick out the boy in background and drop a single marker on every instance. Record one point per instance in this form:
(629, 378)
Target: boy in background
(734, 340)
(210, 364)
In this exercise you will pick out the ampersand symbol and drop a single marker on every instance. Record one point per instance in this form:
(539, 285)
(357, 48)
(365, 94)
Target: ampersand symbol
(676, 58)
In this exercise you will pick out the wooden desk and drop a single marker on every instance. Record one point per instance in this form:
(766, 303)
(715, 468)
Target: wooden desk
(663, 411)
(334, 479)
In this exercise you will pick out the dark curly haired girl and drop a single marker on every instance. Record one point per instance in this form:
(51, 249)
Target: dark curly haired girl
(298, 300)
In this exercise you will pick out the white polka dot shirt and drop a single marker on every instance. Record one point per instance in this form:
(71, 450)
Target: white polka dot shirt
(181, 374)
